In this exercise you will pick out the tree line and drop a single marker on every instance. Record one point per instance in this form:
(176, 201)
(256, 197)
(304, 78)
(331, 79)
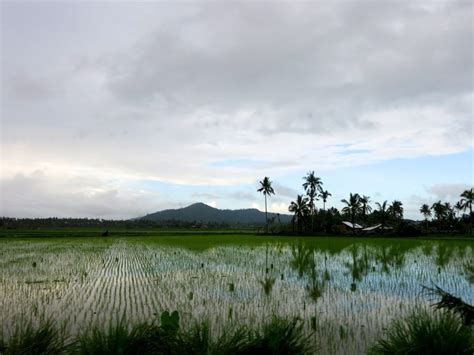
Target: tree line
(307, 218)
(37, 223)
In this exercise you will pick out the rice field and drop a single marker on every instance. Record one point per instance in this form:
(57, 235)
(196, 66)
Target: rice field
(346, 291)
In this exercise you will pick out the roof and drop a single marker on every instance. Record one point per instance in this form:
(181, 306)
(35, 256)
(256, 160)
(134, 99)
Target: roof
(377, 226)
(349, 224)
(371, 228)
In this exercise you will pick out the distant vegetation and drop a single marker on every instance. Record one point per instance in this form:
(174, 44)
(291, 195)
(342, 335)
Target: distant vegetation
(308, 219)
(306, 216)
(36, 223)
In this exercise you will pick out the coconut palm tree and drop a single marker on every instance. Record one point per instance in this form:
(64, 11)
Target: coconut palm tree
(267, 189)
(467, 197)
(440, 212)
(353, 208)
(300, 208)
(396, 209)
(312, 184)
(324, 195)
(459, 207)
(366, 209)
(426, 212)
(383, 213)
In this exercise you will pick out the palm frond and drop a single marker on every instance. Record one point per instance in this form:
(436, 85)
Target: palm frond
(452, 303)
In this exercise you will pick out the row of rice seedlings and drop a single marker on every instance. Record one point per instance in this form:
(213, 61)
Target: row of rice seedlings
(129, 279)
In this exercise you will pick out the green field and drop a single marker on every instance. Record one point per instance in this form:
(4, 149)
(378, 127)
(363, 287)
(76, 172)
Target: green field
(345, 290)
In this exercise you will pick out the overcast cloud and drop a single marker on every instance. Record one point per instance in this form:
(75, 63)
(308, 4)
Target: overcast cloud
(97, 97)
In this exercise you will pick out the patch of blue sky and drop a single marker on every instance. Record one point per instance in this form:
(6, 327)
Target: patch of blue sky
(396, 178)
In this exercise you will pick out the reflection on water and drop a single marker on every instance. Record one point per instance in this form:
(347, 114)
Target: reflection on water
(345, 290)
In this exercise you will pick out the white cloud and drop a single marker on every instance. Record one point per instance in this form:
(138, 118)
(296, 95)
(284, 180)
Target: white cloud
(180, 86)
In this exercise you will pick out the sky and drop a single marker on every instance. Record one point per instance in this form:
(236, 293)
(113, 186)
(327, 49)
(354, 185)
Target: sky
(117, 109)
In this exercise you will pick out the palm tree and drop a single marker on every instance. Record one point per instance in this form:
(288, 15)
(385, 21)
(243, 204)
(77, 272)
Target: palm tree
(383, 213)
(324, 195)
(458, 206)
(467, 197)
(353, 208)
(366, 209)
(300, 208)
(396, 209)
(267, 189)
(440, 212)
(311, 185)
(426, 212)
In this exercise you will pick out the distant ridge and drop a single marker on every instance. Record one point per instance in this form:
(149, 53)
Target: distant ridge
(200, 212)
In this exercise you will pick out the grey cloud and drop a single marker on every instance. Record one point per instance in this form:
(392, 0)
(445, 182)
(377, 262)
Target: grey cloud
(447, 192)
(285, 191)
(160, 90)
(301, 67)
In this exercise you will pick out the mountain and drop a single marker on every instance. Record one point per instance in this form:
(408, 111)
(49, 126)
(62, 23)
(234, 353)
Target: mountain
(201, 212)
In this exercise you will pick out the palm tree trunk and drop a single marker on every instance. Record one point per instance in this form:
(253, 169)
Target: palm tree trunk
(353, 223)
(266, 216)
(470, 219)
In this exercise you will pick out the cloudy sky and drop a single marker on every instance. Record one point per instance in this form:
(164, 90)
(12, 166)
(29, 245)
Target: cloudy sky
(117, 109)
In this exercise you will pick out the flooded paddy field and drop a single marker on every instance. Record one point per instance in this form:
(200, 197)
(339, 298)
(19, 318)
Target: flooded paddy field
(345, 290)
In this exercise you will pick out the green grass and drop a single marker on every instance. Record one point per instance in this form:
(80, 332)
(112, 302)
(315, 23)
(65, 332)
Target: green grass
(45, 338)
(425, 333)
(279, 336)
(117, 339)
(204, 239)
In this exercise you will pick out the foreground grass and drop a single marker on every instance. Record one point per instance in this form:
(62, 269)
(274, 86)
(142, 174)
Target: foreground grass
(424, 333)
(277, 337)
(420, 333)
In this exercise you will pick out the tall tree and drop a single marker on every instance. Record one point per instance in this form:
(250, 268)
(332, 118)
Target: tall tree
(396, 209)
(467, 197)
(267, 189)
(459, 207)
(300, 208)
(426, 212)
(312, 184)
(440, 213)
(324, 195)
(366, 209)
(353, 208)
(382, 213)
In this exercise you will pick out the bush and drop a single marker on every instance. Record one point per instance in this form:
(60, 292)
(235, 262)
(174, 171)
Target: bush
(425, 333)
(406, 229)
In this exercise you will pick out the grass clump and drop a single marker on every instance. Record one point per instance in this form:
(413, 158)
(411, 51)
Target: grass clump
(282, 336)
(117, 339)
(425, 333)
(44, 338)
